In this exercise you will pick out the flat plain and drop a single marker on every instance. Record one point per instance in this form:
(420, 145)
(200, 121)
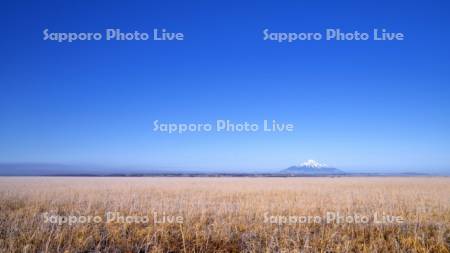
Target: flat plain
(200, 214)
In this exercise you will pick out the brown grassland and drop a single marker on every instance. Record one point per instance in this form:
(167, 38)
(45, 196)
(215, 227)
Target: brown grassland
(224, 214)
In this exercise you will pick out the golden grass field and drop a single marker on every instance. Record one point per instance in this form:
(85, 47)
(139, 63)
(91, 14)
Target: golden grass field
(224, 214)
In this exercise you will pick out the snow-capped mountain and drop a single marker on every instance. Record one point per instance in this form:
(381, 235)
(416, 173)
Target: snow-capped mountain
(312, 167)
(313, 164)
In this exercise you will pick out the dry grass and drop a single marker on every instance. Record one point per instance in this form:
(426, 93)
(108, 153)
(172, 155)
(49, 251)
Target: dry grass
(224, 214)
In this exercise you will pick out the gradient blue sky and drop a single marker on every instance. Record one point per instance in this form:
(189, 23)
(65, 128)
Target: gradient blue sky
(356, 105)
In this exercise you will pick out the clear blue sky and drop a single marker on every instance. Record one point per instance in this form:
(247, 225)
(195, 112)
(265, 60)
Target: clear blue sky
(356, 105)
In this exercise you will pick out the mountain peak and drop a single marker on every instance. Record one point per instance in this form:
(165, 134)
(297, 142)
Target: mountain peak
(312, 167)
(313, 164)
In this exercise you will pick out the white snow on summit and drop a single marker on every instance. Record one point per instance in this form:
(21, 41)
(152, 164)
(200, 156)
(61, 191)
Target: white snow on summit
(313, 164)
